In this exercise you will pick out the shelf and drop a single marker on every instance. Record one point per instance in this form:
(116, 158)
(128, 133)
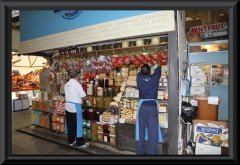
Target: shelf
(40, 110)
(56, 114)
(107, 143)
(56, 131)
(139, 48)
(40, 126)
(27, 88)
(219, 85)
(128, 122)
(160, 100)
(207, 42)
(223, 51)
(209, 47)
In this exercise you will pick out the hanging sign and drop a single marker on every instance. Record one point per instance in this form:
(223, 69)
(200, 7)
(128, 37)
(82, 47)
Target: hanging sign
(139, 25)
(212, 30)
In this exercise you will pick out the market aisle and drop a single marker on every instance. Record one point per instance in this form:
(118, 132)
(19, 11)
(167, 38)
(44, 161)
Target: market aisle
(24, 144)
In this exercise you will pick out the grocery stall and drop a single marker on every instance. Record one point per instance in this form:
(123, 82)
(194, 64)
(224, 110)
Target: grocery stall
(108, 56)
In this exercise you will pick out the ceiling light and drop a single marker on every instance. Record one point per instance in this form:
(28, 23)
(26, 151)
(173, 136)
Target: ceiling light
(189, 19)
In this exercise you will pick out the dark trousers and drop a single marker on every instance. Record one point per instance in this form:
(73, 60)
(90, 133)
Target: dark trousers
(148, 117)
(71, 119)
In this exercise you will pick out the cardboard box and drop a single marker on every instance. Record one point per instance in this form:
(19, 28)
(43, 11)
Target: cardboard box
(214, 133)
(194, 102)
(203, 149)
(131, 83)
(224, 150)
(33, 104)
(44, 105)
(132, 78)
(197, 70)
(162, 108)
(200, 91)
(197, 81)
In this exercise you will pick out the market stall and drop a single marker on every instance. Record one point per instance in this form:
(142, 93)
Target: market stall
(108, 58)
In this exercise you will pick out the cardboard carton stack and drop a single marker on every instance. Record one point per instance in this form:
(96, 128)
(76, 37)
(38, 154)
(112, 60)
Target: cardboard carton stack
(210, 136)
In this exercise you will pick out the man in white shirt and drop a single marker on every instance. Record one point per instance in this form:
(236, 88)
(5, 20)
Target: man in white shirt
(74, 94)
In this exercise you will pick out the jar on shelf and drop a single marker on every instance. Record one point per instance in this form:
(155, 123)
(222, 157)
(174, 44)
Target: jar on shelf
(116, 90)
(99, 91)
(90, 89)
(61, 127)
(93, 126)
(104, 83)
(117, 81)
(99, 102)
(91, 114)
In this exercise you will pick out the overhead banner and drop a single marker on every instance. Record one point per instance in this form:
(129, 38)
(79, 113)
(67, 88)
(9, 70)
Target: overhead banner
(144, 24)
(212, 30)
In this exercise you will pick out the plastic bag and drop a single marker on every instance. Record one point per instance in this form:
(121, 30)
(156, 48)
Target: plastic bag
(188, 112)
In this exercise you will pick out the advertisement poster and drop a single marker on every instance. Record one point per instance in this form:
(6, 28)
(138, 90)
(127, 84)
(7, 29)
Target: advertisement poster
(212, 30)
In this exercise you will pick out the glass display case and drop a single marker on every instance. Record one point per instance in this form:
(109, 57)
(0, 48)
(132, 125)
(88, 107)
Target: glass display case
(216, 46)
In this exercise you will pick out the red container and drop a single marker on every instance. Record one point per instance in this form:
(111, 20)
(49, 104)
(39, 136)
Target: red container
(106, 128)
(84, 88)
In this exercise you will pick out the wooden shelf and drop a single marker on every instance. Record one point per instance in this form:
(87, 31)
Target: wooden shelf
(40, 110)
(26, 88)
(137, 48)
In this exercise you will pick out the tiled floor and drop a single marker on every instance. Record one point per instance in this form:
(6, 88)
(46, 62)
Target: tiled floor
(45, 142)
(24, 144)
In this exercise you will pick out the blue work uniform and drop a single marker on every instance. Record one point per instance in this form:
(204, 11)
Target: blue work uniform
(147, 123)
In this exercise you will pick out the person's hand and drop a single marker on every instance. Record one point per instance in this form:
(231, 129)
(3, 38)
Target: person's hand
(85, 98)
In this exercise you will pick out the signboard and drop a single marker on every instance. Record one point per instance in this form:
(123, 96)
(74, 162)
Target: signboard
(212, 30)
(144, 24)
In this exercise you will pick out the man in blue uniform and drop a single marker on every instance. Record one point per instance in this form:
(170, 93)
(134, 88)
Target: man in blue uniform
(147, 123)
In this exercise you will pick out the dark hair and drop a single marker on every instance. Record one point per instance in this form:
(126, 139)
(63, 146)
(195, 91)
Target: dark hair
(145, 69)
(73, 74)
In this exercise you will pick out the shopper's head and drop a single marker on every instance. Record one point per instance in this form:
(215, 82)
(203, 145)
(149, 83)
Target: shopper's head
(73, 74)
(145, 69)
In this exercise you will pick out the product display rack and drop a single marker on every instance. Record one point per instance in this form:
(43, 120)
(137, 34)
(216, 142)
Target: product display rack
(132, 48)
(125, 131)
(49, 121)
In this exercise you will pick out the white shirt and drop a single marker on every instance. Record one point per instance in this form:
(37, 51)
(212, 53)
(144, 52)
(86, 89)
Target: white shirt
(73, 93)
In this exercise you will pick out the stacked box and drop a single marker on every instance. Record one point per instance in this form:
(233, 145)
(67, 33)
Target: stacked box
(210, 136)
(112, 135)
(198, 80)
